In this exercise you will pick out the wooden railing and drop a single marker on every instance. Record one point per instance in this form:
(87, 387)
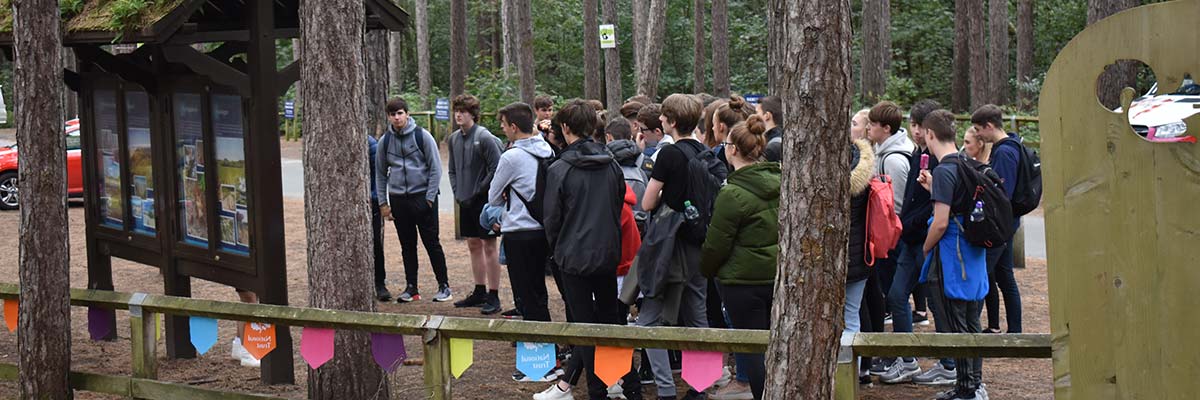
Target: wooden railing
(437, 330)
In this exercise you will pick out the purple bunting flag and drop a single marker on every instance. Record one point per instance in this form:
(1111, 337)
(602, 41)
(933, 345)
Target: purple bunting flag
(388, 349)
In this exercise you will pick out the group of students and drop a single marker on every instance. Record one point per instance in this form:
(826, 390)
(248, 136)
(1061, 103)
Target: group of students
(937, 199)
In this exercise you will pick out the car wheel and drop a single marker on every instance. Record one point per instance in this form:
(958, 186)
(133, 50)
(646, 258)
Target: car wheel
(8, 191)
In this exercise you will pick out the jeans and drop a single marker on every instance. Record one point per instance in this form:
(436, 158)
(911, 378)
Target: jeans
(854, 297)
(1000, 273)
(377, 244)
(750, 308)
(526, 265)
(961, 316)
(692, 313)
(593, 299)
(411, 215)
(908, 270)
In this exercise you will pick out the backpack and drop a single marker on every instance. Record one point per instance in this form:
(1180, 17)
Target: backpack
(978, 182)
(536, 205)
(636, 180)
(705, 175)
(1028, 190)
(883, 225)
(420, 142)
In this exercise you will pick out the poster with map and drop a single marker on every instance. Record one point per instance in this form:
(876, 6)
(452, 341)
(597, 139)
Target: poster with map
(229, 136)
(189, 151)
(137, 130)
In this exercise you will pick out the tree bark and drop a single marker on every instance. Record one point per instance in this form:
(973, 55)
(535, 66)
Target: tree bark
(421, 15)
(509, 38)
(977, 45)
(375, 54)
(815, 87)
(640, 14)
(885, 37)
(523, 10)
(960, 86)
(458, 47)
(495, 43)
(656, 22)
(44, 319)
(874, 80)
(395, 63)
(591, 51)
(612, 62)
(1024, 52)
(699, 62)
(1121, 74)
(70, 98)
(720, 48)
(296, 53)
(998, 43)
(338, 248)
(775, 8)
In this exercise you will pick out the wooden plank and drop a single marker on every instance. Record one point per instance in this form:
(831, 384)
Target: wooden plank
(148, 389)
(724, 340)
(437, 360)
(1022, 345)
(209, 67)
(145, 345)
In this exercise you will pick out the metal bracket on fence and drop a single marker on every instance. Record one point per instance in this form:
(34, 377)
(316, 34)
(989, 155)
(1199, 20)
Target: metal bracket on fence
(431, 327)
(135, 304)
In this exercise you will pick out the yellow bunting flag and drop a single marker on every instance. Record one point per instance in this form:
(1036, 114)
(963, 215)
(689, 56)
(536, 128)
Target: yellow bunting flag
(10, 314)
(461, 355)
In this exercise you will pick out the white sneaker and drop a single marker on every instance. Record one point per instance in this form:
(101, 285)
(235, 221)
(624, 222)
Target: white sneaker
(553, 393)
(238, 352)
(616, 391)
(726, 377)
(733, 391)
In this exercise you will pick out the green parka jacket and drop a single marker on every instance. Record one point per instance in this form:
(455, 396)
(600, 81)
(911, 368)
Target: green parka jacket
(742, 245)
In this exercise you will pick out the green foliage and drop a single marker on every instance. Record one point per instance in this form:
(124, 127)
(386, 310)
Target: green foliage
(69, 8)
(126, 13)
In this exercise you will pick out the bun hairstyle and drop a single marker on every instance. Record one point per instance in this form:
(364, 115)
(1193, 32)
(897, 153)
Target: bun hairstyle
(749, 139)
(729, 112)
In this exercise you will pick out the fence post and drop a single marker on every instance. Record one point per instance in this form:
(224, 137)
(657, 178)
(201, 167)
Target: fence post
(845, 379)
(145, 344)
(437, 360)
(1018, 244)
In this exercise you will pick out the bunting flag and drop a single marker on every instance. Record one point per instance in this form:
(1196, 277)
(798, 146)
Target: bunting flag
(100, 322)
(203, 332)
(10, 313)
(702, 368)
(259, 339)
(316, 346)
(461, 355)
(535, 359)
(612, 363)
(388, 349)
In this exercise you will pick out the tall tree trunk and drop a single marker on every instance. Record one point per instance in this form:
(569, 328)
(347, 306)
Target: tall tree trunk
(375, 96)
(494, 32)
(885, 37)
(458, 47)
(699, 62)
(815, 87)
(509, 37)
(720, 47)
(591, 51)
(656, 22)
(640, 14)
(70, 98)
(775, 9)
(960, 86)
(421, 15)
(1118, 76)
(612, 62)
(44, 319)
(338, 247)
(296, 53)
(523, 10)
(395, 64)
(874, 82)
(1024, 52)
(978, 49)
(998, 50)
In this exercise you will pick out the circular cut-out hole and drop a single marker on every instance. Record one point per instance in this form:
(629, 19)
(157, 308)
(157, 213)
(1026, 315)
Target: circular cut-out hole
(1158, 115)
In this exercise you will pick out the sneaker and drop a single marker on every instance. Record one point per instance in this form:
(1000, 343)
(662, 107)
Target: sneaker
(511, 314)
(616, 392)
(919, 318)
(410, 295)
(676, 359)
(880, 366)
(981, 393)
(382, 294)
(476, 299)
(937, 375)
(735, 390)
(692, 394)
(646, 376)
(443, 294)
(492, 305)
(238, 352)
(725, 379)
(947, 395)
(521, 377)
(553, 393)
(901, 371)
(887, 319)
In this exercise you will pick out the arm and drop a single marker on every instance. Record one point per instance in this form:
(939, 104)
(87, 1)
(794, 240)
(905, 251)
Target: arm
(941, 220)
(491, 161)
(896, 167)
(721, 231)
(553, 204)
(650, 198)
(451, 169)
(381, 172)
(503, 178)
(1005, 164)
(434, 161)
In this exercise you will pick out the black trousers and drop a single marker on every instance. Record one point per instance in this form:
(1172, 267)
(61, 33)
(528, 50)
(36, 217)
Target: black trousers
(591, 299)
(413, 215)
(960, 316)
(526, 252)
(750, 308)
(377, 242)
(870, 314)
(712, 301)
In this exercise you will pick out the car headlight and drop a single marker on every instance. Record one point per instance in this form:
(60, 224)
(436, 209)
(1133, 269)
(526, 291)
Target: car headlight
(1171, 130)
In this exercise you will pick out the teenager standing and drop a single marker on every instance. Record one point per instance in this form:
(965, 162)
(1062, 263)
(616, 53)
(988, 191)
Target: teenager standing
(474, 155)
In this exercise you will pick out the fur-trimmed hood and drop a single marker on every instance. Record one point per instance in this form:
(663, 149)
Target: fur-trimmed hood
(862, 166)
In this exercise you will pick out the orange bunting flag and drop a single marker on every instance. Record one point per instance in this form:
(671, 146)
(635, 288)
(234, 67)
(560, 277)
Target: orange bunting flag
(612, 363)
(258, 338)
(10, 314)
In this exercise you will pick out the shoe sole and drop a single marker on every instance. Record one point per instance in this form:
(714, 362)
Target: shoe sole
(410, 300)
(468, 305)
(486, 312)
(437, 300)
(940, 382)
(905, 377)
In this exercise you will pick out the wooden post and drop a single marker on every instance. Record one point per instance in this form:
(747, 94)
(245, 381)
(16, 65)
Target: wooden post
(437, 361)
(1018, 244)
(145, 344)
(845, 380)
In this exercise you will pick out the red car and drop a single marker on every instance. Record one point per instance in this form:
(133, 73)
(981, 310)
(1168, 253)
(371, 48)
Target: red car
(8, 169)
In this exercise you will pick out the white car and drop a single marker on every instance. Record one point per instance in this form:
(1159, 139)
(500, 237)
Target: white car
(1159, 118)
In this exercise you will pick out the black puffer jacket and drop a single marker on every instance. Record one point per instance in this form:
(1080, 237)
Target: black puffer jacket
(862, 164)
(585, 193)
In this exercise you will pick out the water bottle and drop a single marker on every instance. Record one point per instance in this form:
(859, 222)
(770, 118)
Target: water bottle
(977, 214)
(689, 211)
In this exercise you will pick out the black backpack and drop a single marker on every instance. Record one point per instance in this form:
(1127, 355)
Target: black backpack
(978, 182)
(1028, 192)
(536, 205)
(705, 174)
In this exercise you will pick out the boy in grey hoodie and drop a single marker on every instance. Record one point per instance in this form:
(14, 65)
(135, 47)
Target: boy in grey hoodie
(407, 171)
(474, 155)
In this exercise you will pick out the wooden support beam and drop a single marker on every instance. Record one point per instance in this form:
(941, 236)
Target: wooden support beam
(287, 76)
(210, 67)
(72, 80)
(227, 50)
(437, 360)
(145, 345)
(119, 66)
(958, 345)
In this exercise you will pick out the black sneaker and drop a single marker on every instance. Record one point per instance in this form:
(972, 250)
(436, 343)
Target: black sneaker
(692, 394)
(511, 314)
(491, 305)
(646, 376)
(919, 318)
(879, 366)
(476, 299)
(410, 295)
(382, 293)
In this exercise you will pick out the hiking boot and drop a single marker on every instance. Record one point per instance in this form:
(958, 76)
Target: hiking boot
(511, 314)
(735, 390)
(443, 294)
(491, 305)
(382, 293)
(410, 295)
(901, 371)
(937, 375)
(553, 393)
(919, 318)
(476, 299)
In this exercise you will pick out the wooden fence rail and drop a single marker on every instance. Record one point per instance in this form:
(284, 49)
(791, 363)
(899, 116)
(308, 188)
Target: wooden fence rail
(437, 330)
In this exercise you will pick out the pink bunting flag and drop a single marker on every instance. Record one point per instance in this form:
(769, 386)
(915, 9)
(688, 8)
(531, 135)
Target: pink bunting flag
(316, 346)
(702, 368)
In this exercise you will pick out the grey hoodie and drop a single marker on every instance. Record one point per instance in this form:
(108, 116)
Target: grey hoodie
(405, 167)
(517, 170)
(894, 165)
(473, 158)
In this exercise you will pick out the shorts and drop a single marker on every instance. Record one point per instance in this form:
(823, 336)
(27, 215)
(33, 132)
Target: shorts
(468, 220)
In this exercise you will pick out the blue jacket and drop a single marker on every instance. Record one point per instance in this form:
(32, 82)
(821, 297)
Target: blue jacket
(964, 265)
(1005, 157)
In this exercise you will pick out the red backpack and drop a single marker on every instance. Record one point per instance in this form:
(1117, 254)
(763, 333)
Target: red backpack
(883, 225)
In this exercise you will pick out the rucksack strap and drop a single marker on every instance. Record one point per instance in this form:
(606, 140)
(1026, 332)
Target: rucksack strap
(883, 160)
